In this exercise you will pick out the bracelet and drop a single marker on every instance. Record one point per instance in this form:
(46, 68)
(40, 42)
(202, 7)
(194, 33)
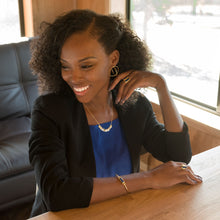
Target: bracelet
(122, 182)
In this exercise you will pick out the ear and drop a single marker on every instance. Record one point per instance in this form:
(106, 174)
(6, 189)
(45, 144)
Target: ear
(114, 58)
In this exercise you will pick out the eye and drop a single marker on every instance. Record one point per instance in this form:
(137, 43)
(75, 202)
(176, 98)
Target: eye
(63, 67)
(86, 66)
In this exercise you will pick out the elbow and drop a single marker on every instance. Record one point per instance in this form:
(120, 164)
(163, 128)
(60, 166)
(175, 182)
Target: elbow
(53, 208)
(52, 202)
(54, 198)
(187, 153)
(65, 195)
(187, 158)
(181, 155)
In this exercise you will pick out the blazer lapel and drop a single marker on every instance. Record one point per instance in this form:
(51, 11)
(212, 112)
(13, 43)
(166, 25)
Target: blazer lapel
(129, 121)
(83, 142)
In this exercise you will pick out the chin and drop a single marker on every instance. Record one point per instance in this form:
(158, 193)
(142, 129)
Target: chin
(83, 100)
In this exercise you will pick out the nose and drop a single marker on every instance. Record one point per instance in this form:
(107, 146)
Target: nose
(76, 76)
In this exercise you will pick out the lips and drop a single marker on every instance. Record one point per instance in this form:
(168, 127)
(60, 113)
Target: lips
(80, 91)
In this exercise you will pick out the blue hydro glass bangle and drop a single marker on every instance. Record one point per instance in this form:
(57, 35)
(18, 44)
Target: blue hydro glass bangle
(122, 182)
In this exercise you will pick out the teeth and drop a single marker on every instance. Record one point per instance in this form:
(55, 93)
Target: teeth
(81, 89)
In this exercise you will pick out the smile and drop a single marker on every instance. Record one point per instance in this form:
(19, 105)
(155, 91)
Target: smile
(80, 90)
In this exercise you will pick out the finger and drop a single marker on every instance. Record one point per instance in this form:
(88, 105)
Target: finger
(128, 90)
(121, 89)
(123, 85)
(200, 178)
(118, 79)
(185, 177)
(182, 165)
(193, 176)
(134, 83)
(192, 172)
(189, 173)
(190, 181)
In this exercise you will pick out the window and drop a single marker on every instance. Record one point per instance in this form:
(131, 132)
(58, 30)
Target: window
(184, 38)
(10, 30)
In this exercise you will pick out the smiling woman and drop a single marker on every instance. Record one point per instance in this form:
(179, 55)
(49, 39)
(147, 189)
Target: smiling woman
(90, 123)
(87, 68)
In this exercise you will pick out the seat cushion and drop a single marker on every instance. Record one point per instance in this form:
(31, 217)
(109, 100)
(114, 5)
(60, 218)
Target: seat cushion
(18, 90)
(18, 86)
(14, 135)
(16, 190)
(17, 182)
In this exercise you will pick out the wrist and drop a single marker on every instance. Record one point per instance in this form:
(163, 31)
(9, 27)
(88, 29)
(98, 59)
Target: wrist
(161, 83)
(148, 180)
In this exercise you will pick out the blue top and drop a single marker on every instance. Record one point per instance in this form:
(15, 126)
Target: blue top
(110, 150)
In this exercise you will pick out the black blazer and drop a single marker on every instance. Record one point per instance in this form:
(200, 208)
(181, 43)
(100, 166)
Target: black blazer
(61, 149)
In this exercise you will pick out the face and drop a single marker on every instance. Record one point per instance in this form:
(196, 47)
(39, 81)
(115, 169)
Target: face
(86, 67)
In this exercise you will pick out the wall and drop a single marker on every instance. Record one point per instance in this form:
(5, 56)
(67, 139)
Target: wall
(36, 11)
(99, 6)
(202, 138)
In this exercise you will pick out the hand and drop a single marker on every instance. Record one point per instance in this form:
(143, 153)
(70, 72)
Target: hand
(172, 173)
(133, 79)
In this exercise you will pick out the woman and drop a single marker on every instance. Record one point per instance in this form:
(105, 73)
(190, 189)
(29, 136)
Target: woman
(89, 126)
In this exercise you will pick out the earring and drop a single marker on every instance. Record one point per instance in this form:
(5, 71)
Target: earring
(114, 71)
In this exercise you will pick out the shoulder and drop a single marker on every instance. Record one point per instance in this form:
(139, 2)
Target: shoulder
(54, 105)
(137, 105)
(53, 100)
(138, 101)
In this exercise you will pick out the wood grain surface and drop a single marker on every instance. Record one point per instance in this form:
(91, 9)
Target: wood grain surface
(179, 202)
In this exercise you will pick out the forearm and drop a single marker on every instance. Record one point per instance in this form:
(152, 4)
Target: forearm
(108, 188)
(172, 119)
(163, 176)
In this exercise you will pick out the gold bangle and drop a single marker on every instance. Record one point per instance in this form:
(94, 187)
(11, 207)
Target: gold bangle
(122, 182)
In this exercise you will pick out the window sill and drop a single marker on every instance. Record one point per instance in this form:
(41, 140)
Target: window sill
(188, 109)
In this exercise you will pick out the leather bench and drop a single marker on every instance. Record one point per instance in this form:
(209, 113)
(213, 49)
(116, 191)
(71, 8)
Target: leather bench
(18, 90)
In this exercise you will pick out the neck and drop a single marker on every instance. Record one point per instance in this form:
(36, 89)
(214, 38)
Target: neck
(101, 105)
(98, 112)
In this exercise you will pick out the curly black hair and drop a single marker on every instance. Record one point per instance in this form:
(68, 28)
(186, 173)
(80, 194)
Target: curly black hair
(110, 31)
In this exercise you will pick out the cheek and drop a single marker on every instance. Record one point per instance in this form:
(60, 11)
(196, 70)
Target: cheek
(104, 75)
(105, 71)
(65, 76)
(99, 74)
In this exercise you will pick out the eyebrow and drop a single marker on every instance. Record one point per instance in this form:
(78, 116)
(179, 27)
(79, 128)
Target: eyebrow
(84, 59)
(87, 58)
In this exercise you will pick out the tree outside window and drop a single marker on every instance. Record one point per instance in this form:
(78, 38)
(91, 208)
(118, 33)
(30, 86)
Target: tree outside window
(183, 36)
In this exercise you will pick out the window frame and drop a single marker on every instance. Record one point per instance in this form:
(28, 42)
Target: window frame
(214, 110)
(21, 17)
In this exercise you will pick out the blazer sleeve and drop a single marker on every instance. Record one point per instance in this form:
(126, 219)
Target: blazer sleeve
(162, 144)
(48, 157)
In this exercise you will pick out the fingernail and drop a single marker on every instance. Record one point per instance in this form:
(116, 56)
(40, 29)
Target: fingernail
(200, 178)
(194, 182)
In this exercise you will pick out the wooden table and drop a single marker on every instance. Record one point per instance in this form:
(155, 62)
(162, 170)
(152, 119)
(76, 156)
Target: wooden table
(179, 202)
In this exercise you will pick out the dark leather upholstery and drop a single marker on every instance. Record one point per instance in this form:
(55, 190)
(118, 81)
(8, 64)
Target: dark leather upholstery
(18, 90)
